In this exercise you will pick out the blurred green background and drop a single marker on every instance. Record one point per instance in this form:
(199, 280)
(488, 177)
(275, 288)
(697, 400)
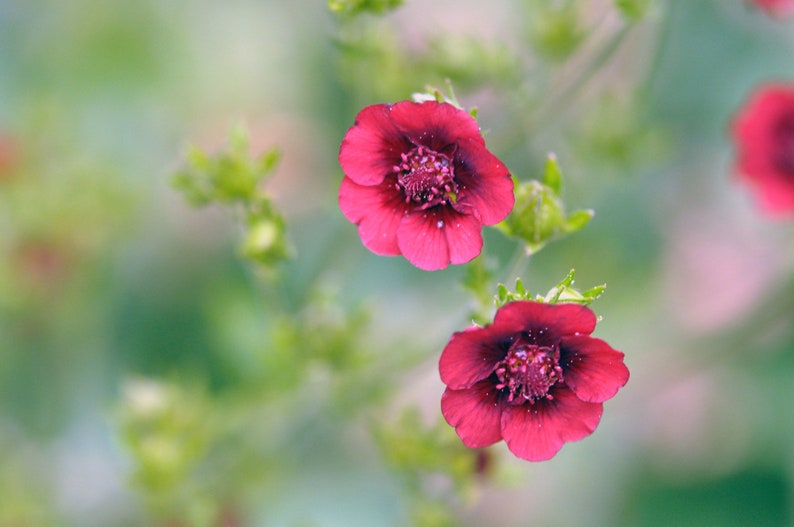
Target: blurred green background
(149, 376)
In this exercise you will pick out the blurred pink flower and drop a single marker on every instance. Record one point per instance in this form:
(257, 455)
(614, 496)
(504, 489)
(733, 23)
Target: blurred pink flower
(763, 132)
(534, 378)
(775, 7)
(419, 182)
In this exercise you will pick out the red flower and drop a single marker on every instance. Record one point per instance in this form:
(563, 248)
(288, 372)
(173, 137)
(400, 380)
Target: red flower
(764, 135)
(533, 378)
(420, 182)
(775, 7)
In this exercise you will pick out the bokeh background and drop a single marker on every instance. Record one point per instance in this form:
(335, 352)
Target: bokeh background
(150, 376)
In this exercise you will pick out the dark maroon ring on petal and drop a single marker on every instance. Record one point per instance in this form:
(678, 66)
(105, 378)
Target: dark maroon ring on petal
(475, 413)
(547, 322)
(763, 133)
(536, 432)
(593, 369)
(537, 368)
(471, 356)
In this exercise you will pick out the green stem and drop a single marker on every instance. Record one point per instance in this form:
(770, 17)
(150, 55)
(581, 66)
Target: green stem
(662, 39)
(560, 101)
(518, 264)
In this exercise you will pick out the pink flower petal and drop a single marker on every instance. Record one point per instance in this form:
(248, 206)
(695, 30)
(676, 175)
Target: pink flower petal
(471, 356)
(475, 414)
(592, 369)
(776, 7)
(485, 183)
(422, 241)
(536, 432)
(554, 320)
(777, 198)
(464, 235)
(372, 146)
(433, 238)
(435, 125)
(763, 131)
(377, 210)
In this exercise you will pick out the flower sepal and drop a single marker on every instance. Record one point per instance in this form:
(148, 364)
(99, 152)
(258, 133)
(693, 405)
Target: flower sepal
(563, 292)
(432, 93)
(539, 213)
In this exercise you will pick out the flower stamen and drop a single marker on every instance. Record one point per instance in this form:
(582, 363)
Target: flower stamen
(426, 177)
(528, 372)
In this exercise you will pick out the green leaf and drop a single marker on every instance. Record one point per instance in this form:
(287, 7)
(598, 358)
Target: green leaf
(634, 10)
(358, 7)
(555, 28)
(231, 176)
(578, 219)
(505, 296)
(552, 176)
(563, 292)
(520, 289)
(477, 279)
(267, 162)
(432, 93)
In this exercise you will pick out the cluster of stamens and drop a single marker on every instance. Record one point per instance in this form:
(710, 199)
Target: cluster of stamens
(426, 177)
(528, 372)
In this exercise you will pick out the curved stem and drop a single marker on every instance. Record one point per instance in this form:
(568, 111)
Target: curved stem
(559, 102)
(518, 264)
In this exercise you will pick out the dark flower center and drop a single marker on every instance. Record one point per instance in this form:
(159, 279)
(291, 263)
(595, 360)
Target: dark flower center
(784, 136)
(426, 177)
(528, 372)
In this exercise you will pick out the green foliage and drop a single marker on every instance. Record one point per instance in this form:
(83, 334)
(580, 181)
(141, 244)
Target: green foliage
(469, 61)
(358, 7)
(613, 134)
(322, 336)
(432, 93)
(418, 452)
(634, 10)
(539, 213)
(373, 62)
(477, 280)
(168, 430)
(561, 293)
(229, 176)
(28, 498)
(232, 177)
(555, 28)
(197, 455)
